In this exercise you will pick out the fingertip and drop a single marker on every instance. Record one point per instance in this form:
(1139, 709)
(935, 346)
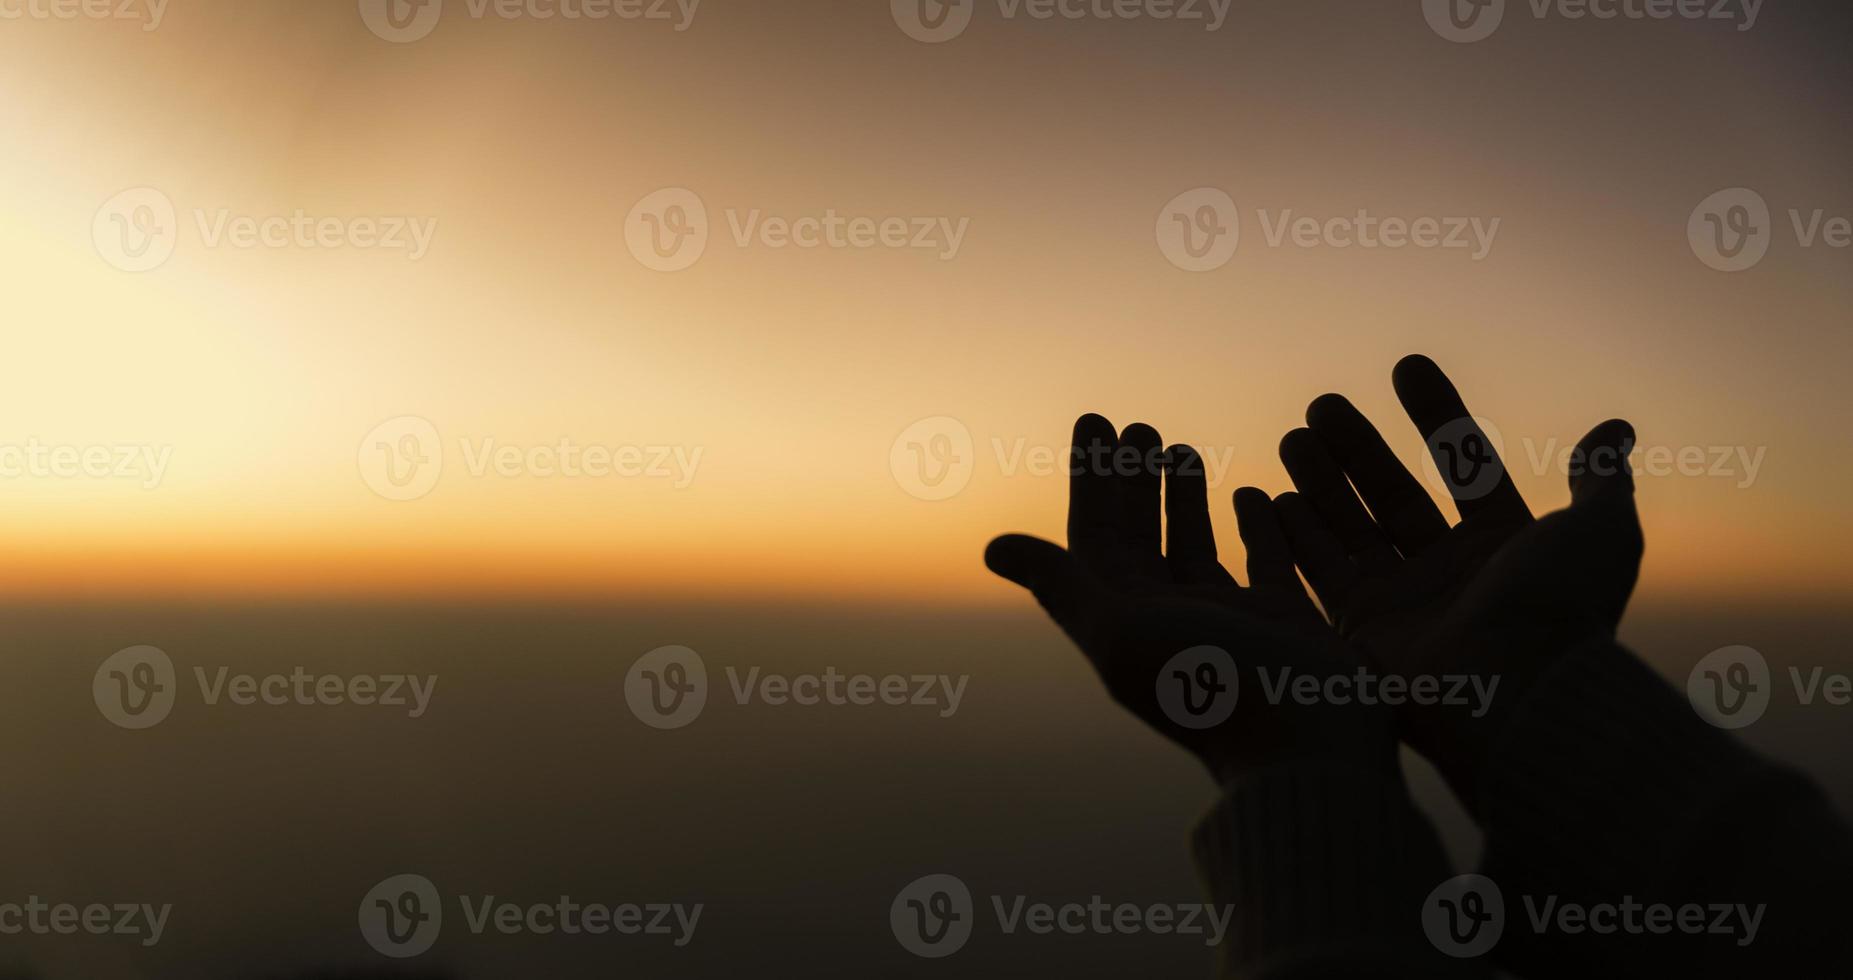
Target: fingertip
(1328, 408)
(1092, 427)
(1624, 432)
(1417, 379)
(1141, 433)
(1414, 367)
(1251, 500)
(1183, 460)
(1600, 461)
(993, 549)
(1008, 555)
(1297, 441)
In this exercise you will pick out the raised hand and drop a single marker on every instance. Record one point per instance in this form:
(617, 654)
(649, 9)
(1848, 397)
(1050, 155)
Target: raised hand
(1497, 594)
(1135, 598)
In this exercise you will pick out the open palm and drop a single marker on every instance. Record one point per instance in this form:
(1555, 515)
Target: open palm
(1137, 591)
(1418, 596)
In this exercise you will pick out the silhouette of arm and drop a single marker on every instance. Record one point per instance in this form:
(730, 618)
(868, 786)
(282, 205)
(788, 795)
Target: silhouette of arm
(1594, 781)
(1605, 786)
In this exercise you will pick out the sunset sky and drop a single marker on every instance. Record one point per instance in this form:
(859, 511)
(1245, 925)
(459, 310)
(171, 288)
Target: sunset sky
(525, 144)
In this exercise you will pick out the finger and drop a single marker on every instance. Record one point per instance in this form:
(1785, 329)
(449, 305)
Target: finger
(1055, 577)
(1321, 558)
(1602, 498)
(1470, 466)
(1270, 558)
(1396, 499)
(1599, 466)
(1323, 485)
(1190, 544)
(1138, 466)
(1093, 496)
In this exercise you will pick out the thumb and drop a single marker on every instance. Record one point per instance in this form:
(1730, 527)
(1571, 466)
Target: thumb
(1049, 572)
(1602, 498)
(1599, 470)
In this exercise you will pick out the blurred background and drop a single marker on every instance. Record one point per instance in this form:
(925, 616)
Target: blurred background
(277, 448)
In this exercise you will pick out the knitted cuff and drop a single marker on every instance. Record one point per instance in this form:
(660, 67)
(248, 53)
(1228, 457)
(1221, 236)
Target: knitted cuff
(1324, 864)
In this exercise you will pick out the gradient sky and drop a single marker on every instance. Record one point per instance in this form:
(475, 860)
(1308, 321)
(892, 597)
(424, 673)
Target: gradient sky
(793, 372)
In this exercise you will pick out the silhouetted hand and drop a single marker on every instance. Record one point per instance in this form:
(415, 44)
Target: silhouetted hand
(1496, 595)
(1134, 604)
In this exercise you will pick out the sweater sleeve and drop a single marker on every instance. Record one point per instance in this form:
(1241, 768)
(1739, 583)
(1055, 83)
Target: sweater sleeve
(1608, 789)
(1325, 866)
